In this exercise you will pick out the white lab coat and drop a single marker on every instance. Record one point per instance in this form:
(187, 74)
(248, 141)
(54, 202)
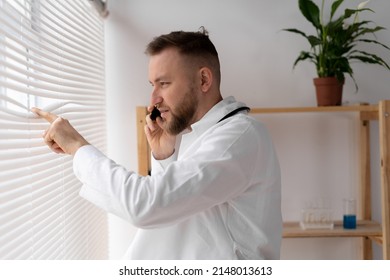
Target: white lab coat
(217, 197)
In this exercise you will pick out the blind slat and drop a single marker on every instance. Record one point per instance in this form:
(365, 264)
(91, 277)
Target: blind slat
(31, 79)
(59, 94)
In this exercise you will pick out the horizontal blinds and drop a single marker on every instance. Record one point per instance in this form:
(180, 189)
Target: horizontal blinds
(51, 56)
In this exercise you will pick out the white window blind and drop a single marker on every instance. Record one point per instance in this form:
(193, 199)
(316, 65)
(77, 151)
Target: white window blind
(52, 57)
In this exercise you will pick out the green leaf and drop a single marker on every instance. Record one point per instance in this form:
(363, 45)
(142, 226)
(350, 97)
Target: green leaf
(311, 12)
(314, 41)
(368, 30)
(294, 30)
(303, 56)
(335, 6)
(358, 25)
(374, 42)
(349, 12)
(370, 58)
(364, 59)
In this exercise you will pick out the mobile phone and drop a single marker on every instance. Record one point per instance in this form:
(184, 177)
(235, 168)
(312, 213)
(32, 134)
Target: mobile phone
(155, 113)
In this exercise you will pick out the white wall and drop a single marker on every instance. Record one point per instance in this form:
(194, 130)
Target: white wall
(256, 59)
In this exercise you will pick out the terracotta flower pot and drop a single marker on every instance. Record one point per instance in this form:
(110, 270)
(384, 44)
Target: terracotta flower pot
(329, 91)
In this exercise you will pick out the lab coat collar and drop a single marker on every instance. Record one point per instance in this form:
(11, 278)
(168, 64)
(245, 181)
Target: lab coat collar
(216, 113)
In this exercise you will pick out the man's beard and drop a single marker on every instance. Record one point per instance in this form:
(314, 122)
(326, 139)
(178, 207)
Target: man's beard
(184, 113)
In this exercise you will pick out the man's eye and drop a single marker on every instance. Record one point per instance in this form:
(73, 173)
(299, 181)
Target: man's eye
(164, 84)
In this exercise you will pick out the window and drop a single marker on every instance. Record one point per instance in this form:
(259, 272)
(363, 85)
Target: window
(51, 56)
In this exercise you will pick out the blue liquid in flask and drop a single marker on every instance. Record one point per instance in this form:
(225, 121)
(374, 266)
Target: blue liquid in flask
(349, 221)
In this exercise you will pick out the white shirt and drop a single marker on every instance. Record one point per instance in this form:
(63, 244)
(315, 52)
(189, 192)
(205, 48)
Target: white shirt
(217, 197)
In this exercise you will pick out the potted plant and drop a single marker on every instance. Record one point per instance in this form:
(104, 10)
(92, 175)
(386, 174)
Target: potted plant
(334, 46)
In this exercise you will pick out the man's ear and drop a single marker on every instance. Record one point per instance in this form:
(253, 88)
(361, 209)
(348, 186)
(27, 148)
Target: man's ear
(206, 79)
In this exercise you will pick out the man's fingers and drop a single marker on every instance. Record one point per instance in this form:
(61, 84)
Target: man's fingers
(151, 124)
(50, 117)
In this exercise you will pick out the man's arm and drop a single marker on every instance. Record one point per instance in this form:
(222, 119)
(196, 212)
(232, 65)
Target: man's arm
(61, 137)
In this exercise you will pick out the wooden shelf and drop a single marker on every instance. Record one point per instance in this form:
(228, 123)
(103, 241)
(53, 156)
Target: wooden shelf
(363, 229)
(351, 108)
(367, 229)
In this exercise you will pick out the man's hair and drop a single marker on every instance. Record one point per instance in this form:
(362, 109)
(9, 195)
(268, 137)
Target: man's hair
(195, 45)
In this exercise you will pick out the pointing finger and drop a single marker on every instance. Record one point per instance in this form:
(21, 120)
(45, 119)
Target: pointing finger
(50, 117)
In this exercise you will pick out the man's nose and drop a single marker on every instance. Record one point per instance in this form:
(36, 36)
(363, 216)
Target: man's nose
(155, 97)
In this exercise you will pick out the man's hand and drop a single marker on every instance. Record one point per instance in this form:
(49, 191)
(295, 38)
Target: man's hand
(161, 143)
(61, 137)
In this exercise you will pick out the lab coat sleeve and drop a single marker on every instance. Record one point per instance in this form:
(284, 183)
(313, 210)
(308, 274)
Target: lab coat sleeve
(219, 170)
(84, 166)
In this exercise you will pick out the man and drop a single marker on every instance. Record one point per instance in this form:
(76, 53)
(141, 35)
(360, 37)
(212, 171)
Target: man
(214, 192)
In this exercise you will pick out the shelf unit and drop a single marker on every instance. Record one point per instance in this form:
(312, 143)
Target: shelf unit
(367, 229)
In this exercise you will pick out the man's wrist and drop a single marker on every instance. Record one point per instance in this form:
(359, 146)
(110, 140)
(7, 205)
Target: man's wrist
(163, 156)
(78, 146)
